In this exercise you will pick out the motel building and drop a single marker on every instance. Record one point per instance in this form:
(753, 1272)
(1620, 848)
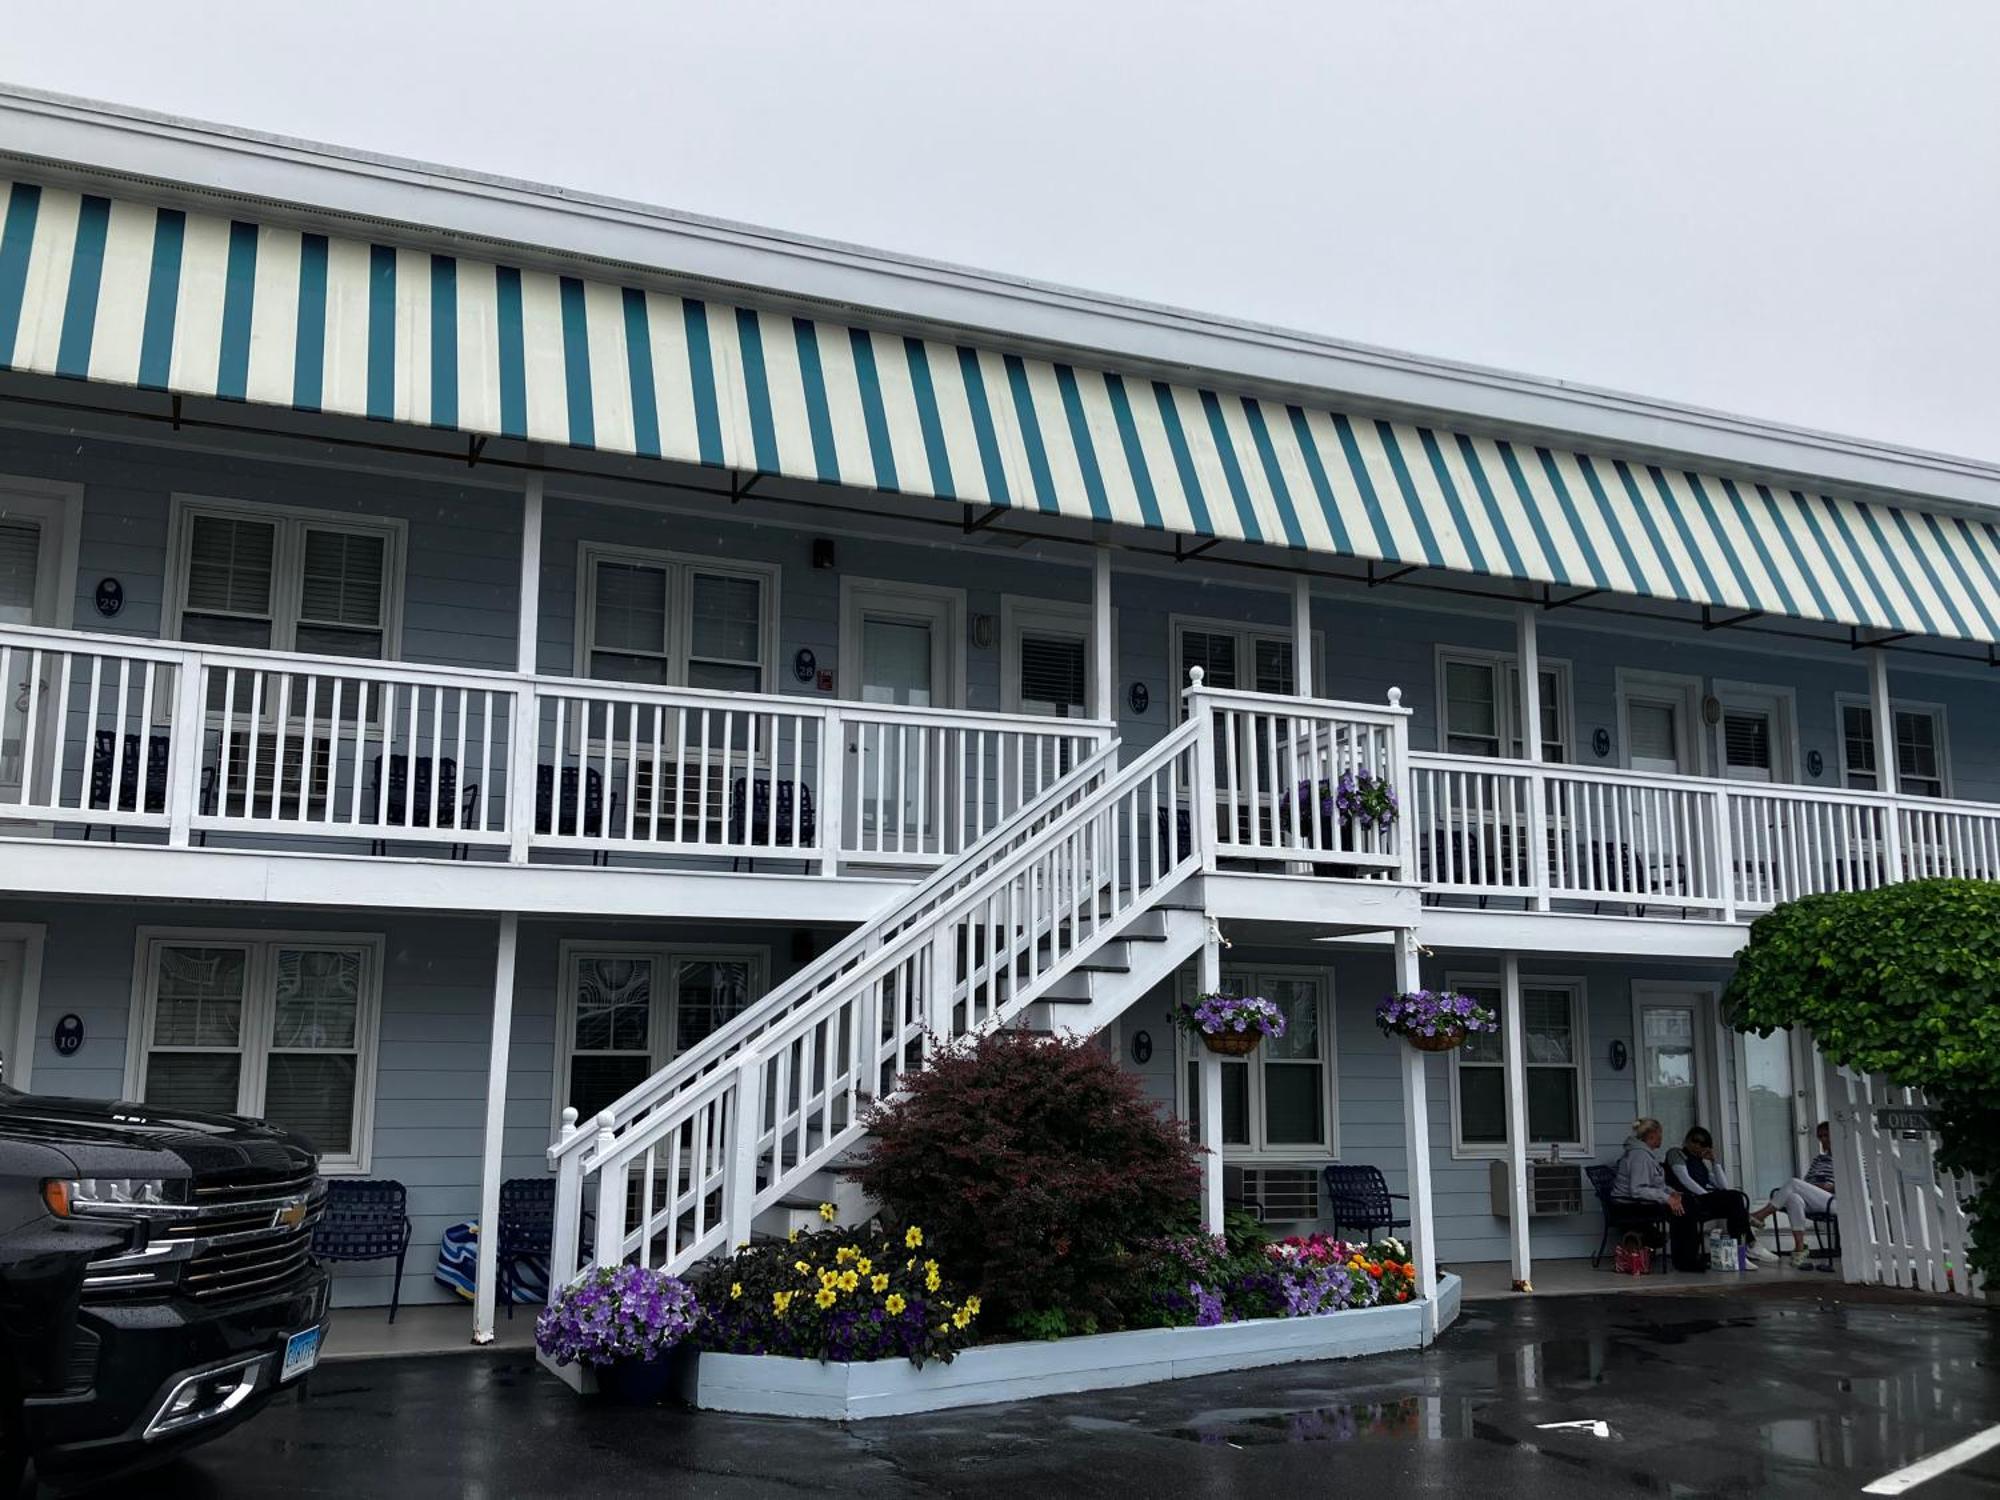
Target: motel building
(520, 685)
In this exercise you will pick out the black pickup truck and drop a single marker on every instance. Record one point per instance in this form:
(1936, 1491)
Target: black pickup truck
(156, 1280)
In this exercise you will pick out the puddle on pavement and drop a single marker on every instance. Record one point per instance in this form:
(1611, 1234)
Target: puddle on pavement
(1403, 1418)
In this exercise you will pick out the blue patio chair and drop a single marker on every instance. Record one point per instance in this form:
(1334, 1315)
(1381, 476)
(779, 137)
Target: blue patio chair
(366, 1220)
(527, 1234)
(754, 824)
(1826, 1237)
(1648, 1220)
(1360, 1196)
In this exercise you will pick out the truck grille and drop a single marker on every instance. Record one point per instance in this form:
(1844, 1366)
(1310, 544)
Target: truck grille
(244, 1267)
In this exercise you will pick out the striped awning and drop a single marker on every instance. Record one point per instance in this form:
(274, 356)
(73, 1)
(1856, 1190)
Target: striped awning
(110, 290)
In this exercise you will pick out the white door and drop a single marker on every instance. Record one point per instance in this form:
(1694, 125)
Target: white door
(1756, 736)
(1776, 1107)
(31, 540)
(1673, 1060)
(13, 976)
(900, 647)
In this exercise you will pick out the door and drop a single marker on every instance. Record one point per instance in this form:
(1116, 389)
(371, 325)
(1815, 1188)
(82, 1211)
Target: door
(13, 979)
(899, 647)
(31, 541)
(1776, 1106)
(1674, 1060)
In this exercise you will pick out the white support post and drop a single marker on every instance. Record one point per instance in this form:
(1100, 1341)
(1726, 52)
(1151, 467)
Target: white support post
(832, 829)
(1517, 1116)
(1208, 1067)
(1201, 796)
(1104, 668)
(1417, 1140)
(1302, 636)
(1528, 646)
(564, 1239)
(525, 650)
(496, 1121)
(184, 754)
(746, 1123)
(1882, 713)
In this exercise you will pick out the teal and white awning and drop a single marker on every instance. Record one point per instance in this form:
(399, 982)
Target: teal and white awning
(109, 290)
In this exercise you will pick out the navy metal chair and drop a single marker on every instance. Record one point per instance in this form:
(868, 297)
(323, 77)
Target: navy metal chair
(527, 1232)
(1360, 1196)
(1826, 1236)
(366, 1220)
(412, 785)
(1648, 1220)
(757, 824)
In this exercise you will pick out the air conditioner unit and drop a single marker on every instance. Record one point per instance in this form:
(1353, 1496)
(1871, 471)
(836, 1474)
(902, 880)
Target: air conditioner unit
(1275, 1195)
(1555, 1188)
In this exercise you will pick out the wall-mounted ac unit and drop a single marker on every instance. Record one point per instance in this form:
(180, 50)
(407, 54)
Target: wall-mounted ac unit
(1554, 1188)
(1276, 1195)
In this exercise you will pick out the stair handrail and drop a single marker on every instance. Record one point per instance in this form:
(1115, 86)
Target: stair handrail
(771, 1008)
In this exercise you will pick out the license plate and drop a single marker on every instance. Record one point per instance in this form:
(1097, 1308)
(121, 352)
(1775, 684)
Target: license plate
(301, 1354)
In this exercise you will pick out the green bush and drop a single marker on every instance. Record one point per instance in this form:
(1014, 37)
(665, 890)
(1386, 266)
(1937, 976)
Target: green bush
(1902, 981)
(1033, 1163)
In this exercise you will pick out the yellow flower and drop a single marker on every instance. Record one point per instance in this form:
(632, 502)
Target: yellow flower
(895, 1304)
(825, 1296)
(793, 1235)
(960, 1318)
(863, 1264)
(879, 1283)
(849, 1281)
(845, 1253)
(780, 1301)
(931, 1280)
(735, 1290)
(913, 1237)
(827, 1212)
(801, 1267)
(828, 1278)
(910, 1264)
(972, 1306)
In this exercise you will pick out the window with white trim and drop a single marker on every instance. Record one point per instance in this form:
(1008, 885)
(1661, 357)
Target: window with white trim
(1920, 748)
(655, 618)
(1552, 1023)
(280, 1028)
(1241, 656)
(628, 1009)
(1278, 1100)
(1479, 705)
(1048, 666)
(270, 578)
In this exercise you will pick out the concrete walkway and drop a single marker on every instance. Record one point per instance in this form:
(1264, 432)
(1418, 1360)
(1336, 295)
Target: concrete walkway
(1756, 1389)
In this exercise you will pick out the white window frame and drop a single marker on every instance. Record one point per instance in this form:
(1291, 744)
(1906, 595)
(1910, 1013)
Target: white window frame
(1687, 694)
(663, 1023)
(1259, 1151)
(1023, 615)
(287, 560)
(1935, 711)
(1246, 634)
(259, 1010)
(679, 566)
(860, 597)
(20, 1054)
(1508, 707)
(1582, 1149)
(1785, 757)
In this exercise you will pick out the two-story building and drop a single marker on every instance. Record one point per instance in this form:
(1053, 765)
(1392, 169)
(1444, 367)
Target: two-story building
(473, 652)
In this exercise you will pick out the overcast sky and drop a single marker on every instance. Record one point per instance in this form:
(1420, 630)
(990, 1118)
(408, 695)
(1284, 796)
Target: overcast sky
(1787, 210)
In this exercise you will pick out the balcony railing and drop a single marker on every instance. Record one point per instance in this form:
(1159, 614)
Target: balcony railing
(192, 741)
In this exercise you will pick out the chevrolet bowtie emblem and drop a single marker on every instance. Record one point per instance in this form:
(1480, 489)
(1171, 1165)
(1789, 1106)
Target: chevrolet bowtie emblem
(290, 1216)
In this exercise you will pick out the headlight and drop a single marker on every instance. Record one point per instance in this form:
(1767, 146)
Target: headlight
(69, 1197)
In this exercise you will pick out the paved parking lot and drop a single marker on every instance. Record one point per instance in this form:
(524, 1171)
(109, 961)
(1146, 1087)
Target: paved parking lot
(1774, 1390)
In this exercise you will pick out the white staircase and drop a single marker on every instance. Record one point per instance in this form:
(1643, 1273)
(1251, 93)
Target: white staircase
(1058, 920)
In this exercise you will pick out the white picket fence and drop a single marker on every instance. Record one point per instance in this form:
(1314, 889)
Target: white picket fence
(1902, 1218)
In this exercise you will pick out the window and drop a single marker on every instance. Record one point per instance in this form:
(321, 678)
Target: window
(652, 618)
(1278, 1101)
(628, 1009)
(272, 579)
(1241, 656)
(1920, 741)
(281, 1028)
(1552, 1030)
(1480, 694)
(1048, 665)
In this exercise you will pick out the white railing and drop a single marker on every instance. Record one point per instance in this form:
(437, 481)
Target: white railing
(1279, 767)
(101, 731)
(721, 1137)
(1956, 839)
(1786, 842)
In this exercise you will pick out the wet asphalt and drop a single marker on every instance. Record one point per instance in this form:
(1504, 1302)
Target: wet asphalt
(1783, 1391)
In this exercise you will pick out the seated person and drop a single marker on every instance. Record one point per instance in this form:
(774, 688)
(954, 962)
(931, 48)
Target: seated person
(1706, 1194)
(1639, 1178)
(1812, 1193)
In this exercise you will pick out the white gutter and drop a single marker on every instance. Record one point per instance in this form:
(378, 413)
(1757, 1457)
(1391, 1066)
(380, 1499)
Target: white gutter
(330, 187)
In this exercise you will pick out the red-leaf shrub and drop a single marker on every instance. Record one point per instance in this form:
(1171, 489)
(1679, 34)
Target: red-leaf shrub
(1032, 1164)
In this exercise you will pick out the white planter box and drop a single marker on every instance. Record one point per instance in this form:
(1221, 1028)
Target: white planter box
(782, 1387)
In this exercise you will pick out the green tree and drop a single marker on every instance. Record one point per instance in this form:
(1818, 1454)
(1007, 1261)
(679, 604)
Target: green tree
(1905, 982)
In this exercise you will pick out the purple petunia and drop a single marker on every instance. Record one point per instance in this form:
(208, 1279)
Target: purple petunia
(1430, 1013)
(1218, 1013)
(617, 1312)
(1359, 797)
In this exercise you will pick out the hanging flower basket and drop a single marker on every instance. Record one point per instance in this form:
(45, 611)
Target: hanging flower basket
(1232, 1025)
(623, 1321)
(1434, 1020)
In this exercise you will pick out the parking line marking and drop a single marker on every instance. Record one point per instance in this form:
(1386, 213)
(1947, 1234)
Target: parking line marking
(1938, 1463)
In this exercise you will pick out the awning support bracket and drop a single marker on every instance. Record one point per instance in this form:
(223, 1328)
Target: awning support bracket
(475, 446)
(1856, 643)
(1376, 580)
(979, 517)
(1549, 601)
(1710, 622)
(1189, 554)
(740, 488)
